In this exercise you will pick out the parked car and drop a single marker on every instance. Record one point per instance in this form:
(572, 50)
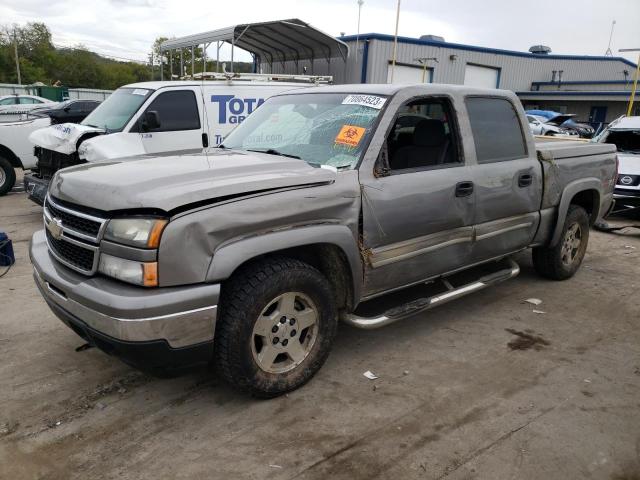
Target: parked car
(15, 149)
(565, 121)
(23, 102)
(70, 111)
(247, 255)
(540, 126)
(154, 117)
(624, 133)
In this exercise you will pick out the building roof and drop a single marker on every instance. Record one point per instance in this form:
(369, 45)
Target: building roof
(473, 48)
(275, 41)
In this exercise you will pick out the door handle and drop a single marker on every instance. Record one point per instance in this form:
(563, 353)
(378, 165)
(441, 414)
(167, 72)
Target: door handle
(205, 140)
(464, 189)
(524, 180)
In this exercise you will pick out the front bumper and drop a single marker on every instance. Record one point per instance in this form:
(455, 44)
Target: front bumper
(36, 188)
(626, 197)
(149, 328)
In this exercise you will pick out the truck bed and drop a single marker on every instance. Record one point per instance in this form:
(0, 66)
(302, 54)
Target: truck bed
(560, 160)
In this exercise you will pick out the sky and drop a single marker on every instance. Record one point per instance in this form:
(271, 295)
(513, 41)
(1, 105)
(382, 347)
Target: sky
(127, 28)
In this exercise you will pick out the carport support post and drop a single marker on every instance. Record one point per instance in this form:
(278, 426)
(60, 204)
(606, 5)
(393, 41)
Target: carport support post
(181, 63)
(193, 61)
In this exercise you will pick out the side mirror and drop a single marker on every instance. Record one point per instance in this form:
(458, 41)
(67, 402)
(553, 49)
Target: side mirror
(66, 109)
(150, 120)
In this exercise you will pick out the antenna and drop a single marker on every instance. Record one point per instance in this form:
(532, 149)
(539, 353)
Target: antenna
(609, 53)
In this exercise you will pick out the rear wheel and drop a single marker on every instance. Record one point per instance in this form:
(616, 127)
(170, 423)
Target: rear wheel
(277, 325)
(563, 260)
(7, 176)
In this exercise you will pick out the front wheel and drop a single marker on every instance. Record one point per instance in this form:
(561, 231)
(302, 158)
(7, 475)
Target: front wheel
(7, 176)
(563, 260)
(277, 325)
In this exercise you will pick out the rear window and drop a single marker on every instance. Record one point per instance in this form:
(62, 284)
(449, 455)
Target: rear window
(496, 128)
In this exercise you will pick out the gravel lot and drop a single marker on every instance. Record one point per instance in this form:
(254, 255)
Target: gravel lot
(480, 388)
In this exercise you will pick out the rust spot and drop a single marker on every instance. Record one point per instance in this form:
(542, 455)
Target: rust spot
(525, 341)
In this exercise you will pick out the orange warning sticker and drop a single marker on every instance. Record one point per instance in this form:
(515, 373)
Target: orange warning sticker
(350, 135)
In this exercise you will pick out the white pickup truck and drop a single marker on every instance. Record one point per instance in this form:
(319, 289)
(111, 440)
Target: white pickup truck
(155, 118)
(15, 149)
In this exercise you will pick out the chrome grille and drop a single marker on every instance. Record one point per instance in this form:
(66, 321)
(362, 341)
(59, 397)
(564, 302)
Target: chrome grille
(73, 237)
(81, 258)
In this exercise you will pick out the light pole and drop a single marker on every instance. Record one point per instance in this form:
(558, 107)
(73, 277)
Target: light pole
(395, 43)
(635, 79)
(360, 2)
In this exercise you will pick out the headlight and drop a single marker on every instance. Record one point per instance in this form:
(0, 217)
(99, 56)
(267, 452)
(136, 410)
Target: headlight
(138, 273)
(137, 232)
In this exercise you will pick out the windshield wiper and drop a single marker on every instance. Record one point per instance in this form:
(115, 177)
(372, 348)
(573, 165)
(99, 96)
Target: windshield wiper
(272, 151)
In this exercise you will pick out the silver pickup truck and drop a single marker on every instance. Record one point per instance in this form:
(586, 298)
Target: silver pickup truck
(320, 203)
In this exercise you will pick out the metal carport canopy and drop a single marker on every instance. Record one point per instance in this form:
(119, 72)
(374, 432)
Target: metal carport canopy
(275, 41)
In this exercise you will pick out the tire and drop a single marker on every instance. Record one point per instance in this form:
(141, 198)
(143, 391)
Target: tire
(7, 176)
(550, 134)
(563, 260)
(259, 307)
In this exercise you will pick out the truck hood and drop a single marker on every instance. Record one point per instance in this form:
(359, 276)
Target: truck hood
(61, 138)
(173, 181)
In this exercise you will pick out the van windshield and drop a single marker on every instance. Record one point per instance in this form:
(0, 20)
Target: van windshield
(114, 113)
(319, 128)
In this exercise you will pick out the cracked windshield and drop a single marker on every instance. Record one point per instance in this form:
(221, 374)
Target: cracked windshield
(319, 128)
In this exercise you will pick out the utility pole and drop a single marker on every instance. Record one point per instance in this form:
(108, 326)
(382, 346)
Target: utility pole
(395, 43)
(15, 48)
(635, 79)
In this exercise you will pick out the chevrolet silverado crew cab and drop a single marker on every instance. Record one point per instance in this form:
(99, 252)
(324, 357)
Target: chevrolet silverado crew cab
(155, 118)
(321, 202)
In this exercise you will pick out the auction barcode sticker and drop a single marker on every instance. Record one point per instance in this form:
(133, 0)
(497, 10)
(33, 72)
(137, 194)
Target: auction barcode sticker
(140, 91)
(372, 101)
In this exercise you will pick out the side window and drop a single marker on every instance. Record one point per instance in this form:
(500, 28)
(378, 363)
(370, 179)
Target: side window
(27, 100)
(177, 110)
(423, 136)
(8, 101)
(496, 128)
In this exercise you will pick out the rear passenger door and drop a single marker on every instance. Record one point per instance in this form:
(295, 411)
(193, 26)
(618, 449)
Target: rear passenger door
(180, 122)
(507, 179)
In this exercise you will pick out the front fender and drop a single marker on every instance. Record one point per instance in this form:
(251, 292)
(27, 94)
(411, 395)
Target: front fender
(229, 256)
(568, 193)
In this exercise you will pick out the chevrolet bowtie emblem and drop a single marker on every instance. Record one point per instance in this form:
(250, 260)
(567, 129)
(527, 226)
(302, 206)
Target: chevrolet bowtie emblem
(55, 228)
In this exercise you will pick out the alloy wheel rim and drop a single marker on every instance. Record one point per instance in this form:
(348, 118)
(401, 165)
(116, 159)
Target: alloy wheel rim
(284, 333)
(3, 177)
(571, 244)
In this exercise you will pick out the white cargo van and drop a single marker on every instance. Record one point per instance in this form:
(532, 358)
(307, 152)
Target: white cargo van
(156, 117)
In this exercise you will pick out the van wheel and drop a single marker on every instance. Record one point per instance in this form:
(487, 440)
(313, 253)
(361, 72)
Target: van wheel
(563, 260)
(277, 325)
(7, 176)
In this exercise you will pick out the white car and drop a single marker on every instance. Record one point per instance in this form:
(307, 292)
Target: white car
(23, 103)
(625, 134)
(16, 151)
(541, 126)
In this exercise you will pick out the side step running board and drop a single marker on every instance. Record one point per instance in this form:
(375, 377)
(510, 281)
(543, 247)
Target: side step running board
(422, 304)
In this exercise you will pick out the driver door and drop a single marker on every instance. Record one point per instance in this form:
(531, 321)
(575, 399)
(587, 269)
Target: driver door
(180, 115)
(418, 214)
